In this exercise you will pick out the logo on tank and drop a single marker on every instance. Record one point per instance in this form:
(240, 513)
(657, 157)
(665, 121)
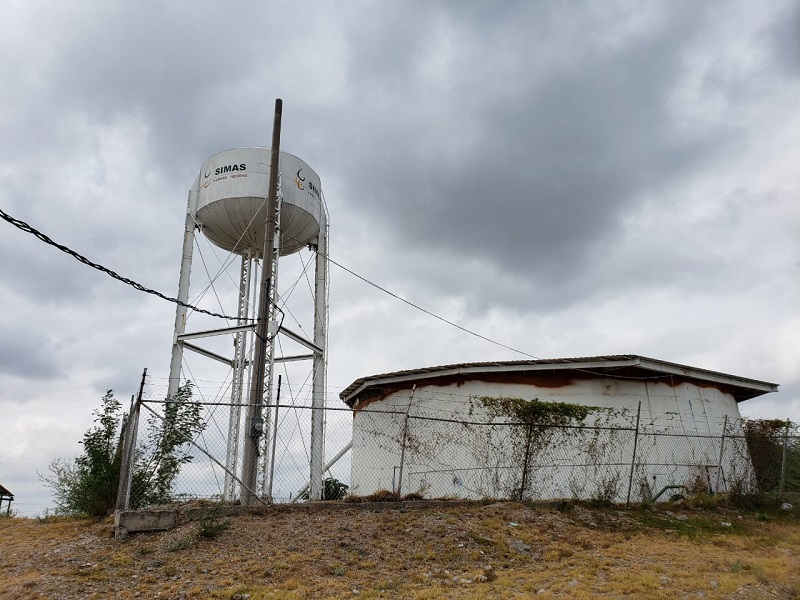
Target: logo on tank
(229, 169)
(223, 171)
(301, 183)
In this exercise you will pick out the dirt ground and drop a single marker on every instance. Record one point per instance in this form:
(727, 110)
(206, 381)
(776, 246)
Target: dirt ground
(413, 550)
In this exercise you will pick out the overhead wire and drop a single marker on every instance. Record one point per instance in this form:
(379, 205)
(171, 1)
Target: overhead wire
(23, 226)
(139, 287)
(413, 305)
(284, 298)
(424, 310)
(211, 281)
(293, 397)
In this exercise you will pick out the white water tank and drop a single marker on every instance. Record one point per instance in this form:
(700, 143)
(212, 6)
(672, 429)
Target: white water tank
(231, 202)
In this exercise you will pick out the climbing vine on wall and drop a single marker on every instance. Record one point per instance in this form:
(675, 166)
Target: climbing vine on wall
(538, 413)
(542, 431)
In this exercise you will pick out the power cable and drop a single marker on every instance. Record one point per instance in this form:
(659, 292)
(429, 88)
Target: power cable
(427, 312)
(22, 225)
(327, 257)
(137, 286)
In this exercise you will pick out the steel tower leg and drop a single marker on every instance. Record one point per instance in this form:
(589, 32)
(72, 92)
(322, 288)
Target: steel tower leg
(183, 295)
(237, 381)
(320, 364)
(265, 445)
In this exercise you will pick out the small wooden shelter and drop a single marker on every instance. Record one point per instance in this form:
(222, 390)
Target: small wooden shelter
(6, 496)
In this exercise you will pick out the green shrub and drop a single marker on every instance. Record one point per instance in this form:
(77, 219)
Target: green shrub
(332, 489)
(88, 485)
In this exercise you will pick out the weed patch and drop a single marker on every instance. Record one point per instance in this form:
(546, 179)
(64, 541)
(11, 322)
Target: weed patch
(179, 544)
(691, 525)
(211, 524)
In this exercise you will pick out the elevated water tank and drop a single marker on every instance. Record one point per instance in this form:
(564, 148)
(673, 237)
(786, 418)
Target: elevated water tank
(231, 203)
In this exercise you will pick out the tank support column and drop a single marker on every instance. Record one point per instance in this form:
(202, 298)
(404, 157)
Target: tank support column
(320, 362)
(183, 295)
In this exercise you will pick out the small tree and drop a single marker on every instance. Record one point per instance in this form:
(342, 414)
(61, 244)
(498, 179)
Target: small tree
(88, 485)
(157, 459)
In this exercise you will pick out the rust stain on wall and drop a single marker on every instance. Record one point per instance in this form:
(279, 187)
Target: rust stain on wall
(543, 379)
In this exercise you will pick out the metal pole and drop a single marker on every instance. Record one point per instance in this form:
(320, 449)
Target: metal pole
(274, 440)
(633, 458)
(255, 422)
(399, 487)
(721, 452)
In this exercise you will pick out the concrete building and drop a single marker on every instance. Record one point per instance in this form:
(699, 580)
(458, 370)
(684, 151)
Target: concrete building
(612, 427)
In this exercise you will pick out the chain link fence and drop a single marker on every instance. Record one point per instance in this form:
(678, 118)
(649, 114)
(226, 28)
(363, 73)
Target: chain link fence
(429, 457)
(620, 462)
(205, 465)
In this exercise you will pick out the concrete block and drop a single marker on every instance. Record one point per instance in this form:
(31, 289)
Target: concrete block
(134, 521)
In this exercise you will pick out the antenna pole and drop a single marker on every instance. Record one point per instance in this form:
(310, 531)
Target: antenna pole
(255, 421)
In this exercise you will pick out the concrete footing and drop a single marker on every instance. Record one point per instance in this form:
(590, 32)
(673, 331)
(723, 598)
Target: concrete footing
(133, 521)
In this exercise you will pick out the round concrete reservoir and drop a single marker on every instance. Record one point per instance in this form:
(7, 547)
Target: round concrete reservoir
(231, 201)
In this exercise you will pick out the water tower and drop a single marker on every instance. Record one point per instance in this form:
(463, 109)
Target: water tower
(228, 205)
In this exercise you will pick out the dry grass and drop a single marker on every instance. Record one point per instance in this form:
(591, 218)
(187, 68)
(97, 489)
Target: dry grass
(501, 550)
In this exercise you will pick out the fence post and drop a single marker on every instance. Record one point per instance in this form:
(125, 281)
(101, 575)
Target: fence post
(633, 458)
(525, 462)
(783, 458)
(721, 452)
(128, 453)
(274, 441)
(403, 447)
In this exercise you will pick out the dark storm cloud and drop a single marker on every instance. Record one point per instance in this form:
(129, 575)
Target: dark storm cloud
(516, 137)
(548, 158)
(783, 38)
(182, 71)
(528, 183)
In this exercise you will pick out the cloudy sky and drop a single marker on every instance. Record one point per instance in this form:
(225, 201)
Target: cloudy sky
(569, 179)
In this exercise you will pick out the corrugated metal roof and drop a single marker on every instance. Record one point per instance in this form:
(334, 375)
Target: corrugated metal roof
(604, 366)
(5, 492)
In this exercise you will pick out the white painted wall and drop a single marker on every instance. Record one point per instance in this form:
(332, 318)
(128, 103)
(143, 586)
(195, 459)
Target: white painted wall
(680, 439)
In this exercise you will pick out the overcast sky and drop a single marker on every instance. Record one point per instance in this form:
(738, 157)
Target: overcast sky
(569, 179)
